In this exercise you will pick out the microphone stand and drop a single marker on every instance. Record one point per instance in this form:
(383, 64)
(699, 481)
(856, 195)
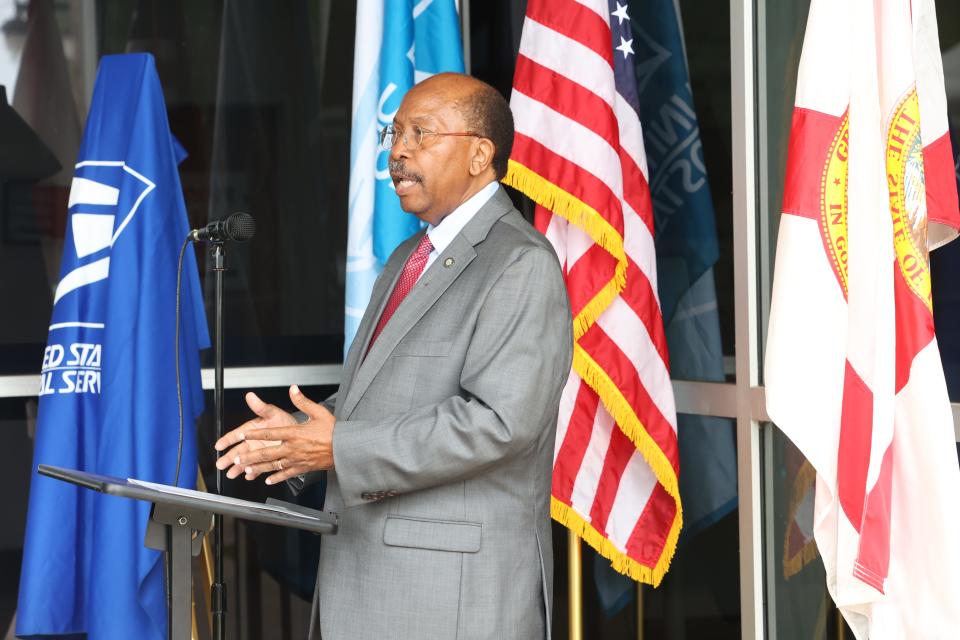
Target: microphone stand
(239, 227)
(218, 589)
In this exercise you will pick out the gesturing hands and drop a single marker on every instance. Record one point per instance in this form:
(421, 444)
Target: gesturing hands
(274, 442)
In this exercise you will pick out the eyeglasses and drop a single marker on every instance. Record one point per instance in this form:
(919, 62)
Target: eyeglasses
(413, 138)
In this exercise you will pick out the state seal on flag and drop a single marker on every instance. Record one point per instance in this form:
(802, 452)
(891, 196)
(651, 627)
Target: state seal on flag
(833, 202)
(908, 196)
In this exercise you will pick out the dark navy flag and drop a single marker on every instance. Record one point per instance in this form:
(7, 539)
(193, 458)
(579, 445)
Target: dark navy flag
(684, 222)
(108, 396)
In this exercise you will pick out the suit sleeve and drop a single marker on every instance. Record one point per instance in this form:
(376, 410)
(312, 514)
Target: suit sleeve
(330, 404)
(514, 371)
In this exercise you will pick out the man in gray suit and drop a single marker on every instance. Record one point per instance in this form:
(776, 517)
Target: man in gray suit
(439, 447)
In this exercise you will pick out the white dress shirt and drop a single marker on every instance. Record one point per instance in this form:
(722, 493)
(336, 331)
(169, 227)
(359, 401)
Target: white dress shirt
(443, 234)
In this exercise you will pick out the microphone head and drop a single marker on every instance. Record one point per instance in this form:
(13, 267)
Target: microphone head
(240, 226)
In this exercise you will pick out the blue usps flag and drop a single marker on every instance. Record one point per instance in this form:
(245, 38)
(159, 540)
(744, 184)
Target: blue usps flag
(108, 397)
(398, 43)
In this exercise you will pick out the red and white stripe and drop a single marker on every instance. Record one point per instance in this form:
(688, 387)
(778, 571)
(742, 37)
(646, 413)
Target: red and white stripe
(575, 132)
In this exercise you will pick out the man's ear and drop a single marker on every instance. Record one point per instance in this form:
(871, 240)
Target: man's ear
(482, 156)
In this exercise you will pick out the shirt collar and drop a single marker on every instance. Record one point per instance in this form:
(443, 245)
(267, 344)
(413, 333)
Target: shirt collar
(443, 234)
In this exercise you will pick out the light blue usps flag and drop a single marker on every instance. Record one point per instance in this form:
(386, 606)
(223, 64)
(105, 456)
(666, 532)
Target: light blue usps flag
(108, 397)
(398, 43)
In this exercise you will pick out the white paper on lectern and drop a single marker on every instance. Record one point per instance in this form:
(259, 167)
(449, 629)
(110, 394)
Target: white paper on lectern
(190, 493)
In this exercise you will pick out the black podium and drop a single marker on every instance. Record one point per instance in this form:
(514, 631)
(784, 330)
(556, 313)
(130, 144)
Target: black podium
(178, 520)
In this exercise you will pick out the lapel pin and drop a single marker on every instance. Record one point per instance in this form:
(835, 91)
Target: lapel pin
(448, 262)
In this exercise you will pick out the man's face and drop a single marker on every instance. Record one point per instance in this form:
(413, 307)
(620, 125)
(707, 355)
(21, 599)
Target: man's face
(434, 179)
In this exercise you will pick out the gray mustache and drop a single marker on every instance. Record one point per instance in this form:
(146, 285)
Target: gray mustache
(398, 170)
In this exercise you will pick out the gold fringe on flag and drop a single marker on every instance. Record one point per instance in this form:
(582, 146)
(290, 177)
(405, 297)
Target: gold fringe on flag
(626, 418)
(630, 424)
(582, 215)
(619, 560)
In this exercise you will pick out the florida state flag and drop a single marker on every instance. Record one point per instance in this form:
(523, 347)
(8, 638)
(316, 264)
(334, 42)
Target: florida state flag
(853, 371)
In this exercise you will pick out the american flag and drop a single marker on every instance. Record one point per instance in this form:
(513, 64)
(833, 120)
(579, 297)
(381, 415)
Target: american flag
(578, 152)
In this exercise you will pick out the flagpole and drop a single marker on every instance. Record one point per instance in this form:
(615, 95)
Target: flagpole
(574, 586)
(639, 611)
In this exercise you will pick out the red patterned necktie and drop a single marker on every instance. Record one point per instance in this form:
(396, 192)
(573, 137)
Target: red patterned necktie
(408, 277)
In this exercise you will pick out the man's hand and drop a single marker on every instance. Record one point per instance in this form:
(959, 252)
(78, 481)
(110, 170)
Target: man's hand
(274, 442)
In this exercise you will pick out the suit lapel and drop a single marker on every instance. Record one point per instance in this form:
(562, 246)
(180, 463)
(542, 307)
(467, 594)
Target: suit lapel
(360, 371)
(378, 300)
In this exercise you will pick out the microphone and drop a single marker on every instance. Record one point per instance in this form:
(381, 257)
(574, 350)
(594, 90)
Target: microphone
(238, 227)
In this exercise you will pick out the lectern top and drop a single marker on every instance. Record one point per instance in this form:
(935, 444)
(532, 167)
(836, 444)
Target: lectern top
(276, 513)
